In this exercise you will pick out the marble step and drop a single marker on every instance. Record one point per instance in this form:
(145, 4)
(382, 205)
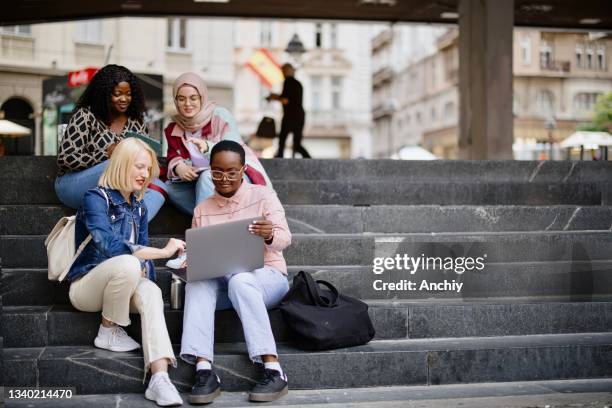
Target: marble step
(575, 280)
(482, 395)
(21, 251)
(338, 219)
(379, 363)
(62, 325)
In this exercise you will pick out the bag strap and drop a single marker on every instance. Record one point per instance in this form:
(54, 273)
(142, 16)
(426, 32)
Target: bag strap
(315, 294)
(88, 239)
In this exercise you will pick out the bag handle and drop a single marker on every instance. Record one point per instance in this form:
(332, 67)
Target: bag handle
(88, 238)
(315, 294)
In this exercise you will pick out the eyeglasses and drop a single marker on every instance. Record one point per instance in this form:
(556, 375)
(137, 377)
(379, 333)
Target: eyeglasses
(233, 175)
(183, 100)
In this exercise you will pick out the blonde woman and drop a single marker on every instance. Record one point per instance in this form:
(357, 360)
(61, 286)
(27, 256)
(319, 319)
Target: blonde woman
(114, 274)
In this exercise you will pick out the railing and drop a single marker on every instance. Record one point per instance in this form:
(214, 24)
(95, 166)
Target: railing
(557, 66)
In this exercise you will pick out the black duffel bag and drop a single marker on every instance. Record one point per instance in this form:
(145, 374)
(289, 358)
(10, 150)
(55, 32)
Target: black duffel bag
(322, 319)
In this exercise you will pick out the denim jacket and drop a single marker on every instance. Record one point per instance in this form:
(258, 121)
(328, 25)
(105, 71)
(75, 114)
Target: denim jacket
(110, 225)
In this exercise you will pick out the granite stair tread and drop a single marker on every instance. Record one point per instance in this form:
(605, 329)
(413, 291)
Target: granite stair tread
(470, 395)
(388, 362)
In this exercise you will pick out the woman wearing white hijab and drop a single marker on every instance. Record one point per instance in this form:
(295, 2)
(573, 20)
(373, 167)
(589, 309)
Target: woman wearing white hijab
(197, 127)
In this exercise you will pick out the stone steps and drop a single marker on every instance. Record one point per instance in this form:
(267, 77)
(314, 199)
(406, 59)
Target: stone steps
(574, 280)
(387, 192)
(482, 395)
(22, 251)
(62, 325)
(541, 309)
(32, 167)
(348, 219)
(388, 363)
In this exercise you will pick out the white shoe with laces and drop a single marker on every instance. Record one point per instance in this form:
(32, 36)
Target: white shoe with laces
(177, 262)
(162, 391)
(115, 339)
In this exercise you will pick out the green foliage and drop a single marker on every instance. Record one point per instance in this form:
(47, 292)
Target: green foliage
(602, 116)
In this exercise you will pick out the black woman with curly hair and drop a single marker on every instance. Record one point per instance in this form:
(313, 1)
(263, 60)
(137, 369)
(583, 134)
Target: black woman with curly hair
(111, 106)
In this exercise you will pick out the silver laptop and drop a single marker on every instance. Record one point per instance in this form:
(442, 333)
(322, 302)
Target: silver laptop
(222, 249)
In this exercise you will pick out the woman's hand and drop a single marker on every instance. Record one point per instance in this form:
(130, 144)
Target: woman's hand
(200, 144)
(185, 172)
(173, 246)
(263, 228)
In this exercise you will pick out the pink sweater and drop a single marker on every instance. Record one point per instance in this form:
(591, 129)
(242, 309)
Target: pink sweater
(249, 201)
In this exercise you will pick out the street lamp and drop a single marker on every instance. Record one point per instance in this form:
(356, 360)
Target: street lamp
(295, 48)
(550, 125)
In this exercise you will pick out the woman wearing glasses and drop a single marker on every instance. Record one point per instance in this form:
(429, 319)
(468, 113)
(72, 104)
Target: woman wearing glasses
(250, 293)
(197, 127)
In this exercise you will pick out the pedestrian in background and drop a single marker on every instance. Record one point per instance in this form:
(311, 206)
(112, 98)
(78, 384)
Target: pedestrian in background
(293, 112)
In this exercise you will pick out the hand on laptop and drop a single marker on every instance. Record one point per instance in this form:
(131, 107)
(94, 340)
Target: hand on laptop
(173, 246)
(263, 228)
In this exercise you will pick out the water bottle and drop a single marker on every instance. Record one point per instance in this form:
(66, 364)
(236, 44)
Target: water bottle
(177, 293)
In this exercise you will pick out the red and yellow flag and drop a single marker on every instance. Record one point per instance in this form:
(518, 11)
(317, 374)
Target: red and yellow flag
(263, 64)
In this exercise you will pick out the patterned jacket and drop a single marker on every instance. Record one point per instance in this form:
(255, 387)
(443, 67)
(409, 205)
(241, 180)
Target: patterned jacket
(86, 140)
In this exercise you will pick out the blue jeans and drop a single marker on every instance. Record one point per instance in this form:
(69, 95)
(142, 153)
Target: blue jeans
(71, 188)
(250, 294)
(186, 195)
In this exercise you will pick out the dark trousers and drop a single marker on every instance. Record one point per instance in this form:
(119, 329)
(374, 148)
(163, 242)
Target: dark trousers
(294, 125)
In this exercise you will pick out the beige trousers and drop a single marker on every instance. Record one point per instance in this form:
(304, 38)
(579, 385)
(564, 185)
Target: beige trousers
(117, 288)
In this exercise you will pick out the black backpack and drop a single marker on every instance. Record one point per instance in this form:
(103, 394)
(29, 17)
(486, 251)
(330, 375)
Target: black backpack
(321, 319)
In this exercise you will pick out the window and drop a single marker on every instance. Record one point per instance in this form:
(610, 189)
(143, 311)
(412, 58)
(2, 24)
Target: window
(336, 92)
(585, 101)
(545, 54)
(88, 31)
(579, 55)
(449, 110)
(265, 34)
(318, 35)
(177, 33)
(433, 114)
(544, 102)
(316, 83)
(17, 29)
(589, 59)
(601, 58)
(526, 50)
(333, 36)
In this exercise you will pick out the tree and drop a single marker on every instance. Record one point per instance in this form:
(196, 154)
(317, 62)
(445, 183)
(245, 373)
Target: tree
(602, 115)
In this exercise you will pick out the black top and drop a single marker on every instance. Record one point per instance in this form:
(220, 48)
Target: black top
(292, 90)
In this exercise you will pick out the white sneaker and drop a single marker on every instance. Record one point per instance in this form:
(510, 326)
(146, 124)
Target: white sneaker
(177, 262)
(115, 339)
(162, 391)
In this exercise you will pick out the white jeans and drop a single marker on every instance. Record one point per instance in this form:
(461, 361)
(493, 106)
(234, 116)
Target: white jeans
(117, 288)
(250, 294)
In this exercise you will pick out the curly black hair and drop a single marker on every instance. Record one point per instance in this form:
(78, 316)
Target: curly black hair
(97, 95)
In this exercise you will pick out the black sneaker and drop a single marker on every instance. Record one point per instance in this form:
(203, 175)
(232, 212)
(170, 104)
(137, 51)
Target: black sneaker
(206, 388)
(272, 387)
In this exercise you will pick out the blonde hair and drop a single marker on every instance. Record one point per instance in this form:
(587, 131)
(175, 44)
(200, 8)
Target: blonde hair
(117, 173)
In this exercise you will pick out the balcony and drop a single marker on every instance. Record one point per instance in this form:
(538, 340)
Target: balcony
(382, 39)
(381, 76)
(384, 109)
(555, 66)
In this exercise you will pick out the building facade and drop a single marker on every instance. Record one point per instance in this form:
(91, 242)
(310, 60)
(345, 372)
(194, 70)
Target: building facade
(335, 72)
(166, 47)
(557, 79)
(335, 75)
